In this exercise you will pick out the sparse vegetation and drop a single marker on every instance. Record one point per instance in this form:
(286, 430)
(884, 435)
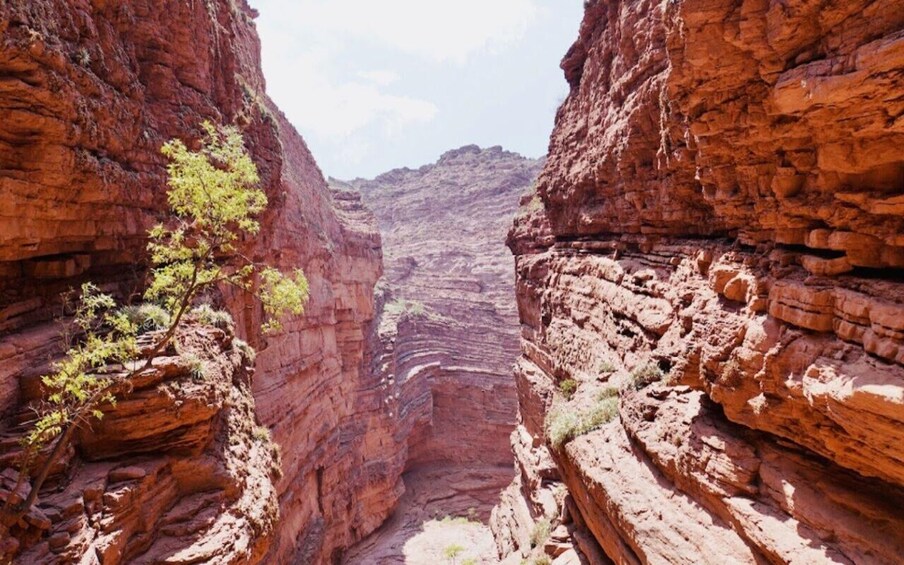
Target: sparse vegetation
(646, 374)
(543, 560)
(214, 199)
(253, 99)
(147, 317)
(564, 423)
(261, 434)
(205, 314)
(605, 367)
(195, 366)
(83, 57)
(606, 393)
(448, 519)
(246, 349)
(276, 456)
(568, 388)
(451, 552)
(401, 305)
(540, 532)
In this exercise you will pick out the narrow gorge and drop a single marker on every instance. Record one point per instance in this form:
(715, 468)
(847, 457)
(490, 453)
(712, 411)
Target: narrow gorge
(676, 338)
(447, 339)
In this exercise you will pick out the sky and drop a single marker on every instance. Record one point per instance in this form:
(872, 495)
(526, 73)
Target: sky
(373, 85)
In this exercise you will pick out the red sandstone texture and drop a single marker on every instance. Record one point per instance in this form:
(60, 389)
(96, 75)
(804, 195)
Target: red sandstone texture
(89, 92)
(446, 336)
(178, 472)
(721, 202)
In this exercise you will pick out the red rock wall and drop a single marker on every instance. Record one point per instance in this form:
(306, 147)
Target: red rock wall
(446, 334)
(90, 89)
(448, 294)
(178, 472)
(722, 200)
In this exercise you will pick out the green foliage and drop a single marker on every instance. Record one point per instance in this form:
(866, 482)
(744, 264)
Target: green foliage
(195, 366)
(77, 386)
(213, 196)
(540, 532)
(281, 294)
(646, 374)
(564, 423)
(215, 187)
(568, 388)
(460, 520)
(261, 434)
(248, 351)
(542, 560)
(605, 367)
(607, 392)
(453, 551)
(147, 317)
(205, 314)
(401, 305)
(469, 561)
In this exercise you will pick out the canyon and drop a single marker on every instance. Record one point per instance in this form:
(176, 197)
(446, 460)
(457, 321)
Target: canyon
(446, 339)
(704, 312)
(90, 92)
(712, 262)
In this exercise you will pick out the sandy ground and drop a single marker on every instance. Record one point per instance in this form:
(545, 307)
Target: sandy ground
(442, 507)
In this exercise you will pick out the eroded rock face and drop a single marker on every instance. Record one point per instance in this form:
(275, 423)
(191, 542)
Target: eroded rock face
(90, 92)
(717, 213)
(446, 335)
(178, 472)
(448, 296)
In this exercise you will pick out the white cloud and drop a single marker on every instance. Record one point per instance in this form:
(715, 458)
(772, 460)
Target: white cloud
(310, 48)
(441, 30)
(302, 82)
(379, 77)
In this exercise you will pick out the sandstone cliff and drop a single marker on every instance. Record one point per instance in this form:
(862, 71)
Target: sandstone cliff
(90, 90)
(446, 334)
(715, 249)
(177, 472)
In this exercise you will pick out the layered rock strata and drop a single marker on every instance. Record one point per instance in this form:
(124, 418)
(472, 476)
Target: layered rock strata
(446, 336)
(714, 250)
(89, 92)
(177, 472)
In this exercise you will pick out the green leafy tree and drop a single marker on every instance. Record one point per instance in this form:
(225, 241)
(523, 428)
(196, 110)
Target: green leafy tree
(214, 199)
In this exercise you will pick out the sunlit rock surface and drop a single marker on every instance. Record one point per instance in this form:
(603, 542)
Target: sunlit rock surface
(90, 91)
(719, 205)
(447, 336)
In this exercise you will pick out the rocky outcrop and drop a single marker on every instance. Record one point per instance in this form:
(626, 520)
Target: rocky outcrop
(89, 92)
(178, 472)
(446, 335)
(715, 251)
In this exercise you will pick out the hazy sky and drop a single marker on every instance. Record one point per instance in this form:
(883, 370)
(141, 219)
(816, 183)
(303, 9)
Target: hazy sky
(377, 84)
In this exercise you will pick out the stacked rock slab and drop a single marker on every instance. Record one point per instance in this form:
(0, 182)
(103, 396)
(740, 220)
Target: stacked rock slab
(447, 331)
(178, 472)
(721, 205)
(89, 92)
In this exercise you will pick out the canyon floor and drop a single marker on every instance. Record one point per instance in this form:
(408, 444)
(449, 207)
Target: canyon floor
(430, 520)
